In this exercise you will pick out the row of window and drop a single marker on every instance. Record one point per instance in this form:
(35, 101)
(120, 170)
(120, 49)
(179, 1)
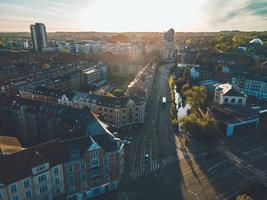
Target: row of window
(27, 194)
(41, 179)
(94, 173)
(233, 101)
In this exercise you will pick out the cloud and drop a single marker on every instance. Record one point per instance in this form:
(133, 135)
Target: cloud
(257, 7)
(223, 11)
(18, 17)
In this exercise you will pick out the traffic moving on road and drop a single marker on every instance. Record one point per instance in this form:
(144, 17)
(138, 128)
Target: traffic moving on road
(188, 168)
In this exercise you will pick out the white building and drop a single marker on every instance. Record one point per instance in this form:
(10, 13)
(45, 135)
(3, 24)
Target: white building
(94, 74)
(227, 94)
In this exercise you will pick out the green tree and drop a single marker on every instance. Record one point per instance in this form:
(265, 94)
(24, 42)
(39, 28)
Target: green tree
(64, 50)
(196, 97)
(187, 75)
(243, 197)
(118, 92)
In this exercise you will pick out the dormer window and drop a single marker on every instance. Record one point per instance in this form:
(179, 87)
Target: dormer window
(40, 168)
(74, 154)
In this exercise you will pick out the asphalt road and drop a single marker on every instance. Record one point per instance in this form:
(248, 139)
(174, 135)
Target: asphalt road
(201, 170)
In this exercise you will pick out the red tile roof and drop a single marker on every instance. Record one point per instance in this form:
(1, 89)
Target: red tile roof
(17, 166)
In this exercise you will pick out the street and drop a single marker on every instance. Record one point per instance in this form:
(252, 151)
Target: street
(200, 170)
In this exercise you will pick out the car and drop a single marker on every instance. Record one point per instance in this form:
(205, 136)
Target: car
(147, 157)
(126, 142)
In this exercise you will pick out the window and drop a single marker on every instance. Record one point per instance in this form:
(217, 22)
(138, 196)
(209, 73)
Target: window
(26, 183)
(106, 170)
(71, 188)
(45, 198)
(56, 171)
(71, 179)
(93, 154)
(233, 100)
(70, 169)
(226, 100)
(74, 155)
(43, 189)
(42, 178)
(40, 168)
(82, 166)
(13, 188)
(240, 101)
(95, 172)
(83, 176)
(94, 162)
(57, 181)
(106, 179)
(58, 190)
(106, 159)
(28, 194)
(15, 198)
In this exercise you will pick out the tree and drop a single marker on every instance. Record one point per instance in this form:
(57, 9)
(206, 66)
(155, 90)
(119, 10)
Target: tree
(196, 97)
(118, 92)
(187, 75)
(243, 197)
(108, 94)
(64, 50)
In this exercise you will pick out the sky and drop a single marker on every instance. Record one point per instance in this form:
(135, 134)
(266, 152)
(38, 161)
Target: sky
(134, 15)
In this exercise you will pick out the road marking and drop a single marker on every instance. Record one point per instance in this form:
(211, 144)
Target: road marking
(216, 165)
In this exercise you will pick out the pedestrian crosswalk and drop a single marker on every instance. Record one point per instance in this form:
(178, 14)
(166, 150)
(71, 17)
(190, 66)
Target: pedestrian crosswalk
(127, 196)
(152, 166)
(257, 172)
(237, 160)
(261, 175)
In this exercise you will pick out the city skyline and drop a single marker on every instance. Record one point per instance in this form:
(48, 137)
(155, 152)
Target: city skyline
(134, 16)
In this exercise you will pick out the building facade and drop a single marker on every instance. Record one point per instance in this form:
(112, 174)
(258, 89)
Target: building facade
(252, 85)
(116, 112)
(35, 173)
(74, 169)
(141, 86)
(93, 166)
(94, 75)
(34, 122)
(227, 94)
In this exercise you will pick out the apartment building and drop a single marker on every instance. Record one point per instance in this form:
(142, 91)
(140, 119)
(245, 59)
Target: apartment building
(34, 122)
(252, 85)
(141, 86)
(116, 112)
(35, 173)
(78, 168)
(124, 70)
(94, 76)
(40, 93)
(93, 165)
